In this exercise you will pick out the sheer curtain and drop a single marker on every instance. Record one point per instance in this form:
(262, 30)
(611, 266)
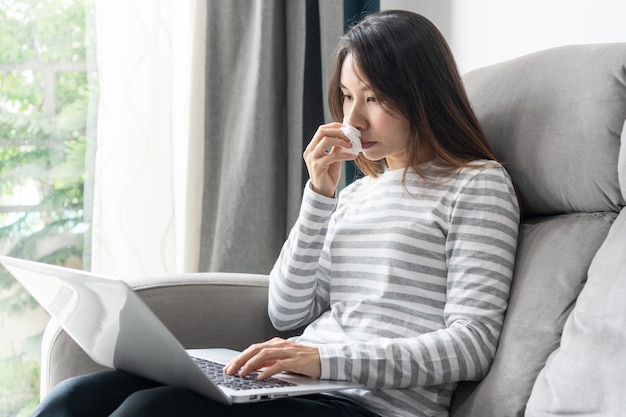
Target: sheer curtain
(149, 158)
(201, 129)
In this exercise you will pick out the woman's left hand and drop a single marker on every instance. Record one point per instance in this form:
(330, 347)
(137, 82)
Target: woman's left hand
(277, 355)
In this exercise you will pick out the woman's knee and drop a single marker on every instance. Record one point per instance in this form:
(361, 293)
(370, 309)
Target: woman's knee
(63, 399)
(165, 401)
(91, 395)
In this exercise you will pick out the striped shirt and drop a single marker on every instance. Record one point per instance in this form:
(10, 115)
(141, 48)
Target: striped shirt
(403, 287)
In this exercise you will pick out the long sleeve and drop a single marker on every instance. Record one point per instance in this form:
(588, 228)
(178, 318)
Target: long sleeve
(298, 290)
(480, 249)
(405, 284)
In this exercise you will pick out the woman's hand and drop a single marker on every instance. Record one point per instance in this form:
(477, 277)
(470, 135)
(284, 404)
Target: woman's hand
(323, 157)
(277, 355)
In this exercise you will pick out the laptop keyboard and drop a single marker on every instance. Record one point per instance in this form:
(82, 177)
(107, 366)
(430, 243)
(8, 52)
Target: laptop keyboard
(215, 372)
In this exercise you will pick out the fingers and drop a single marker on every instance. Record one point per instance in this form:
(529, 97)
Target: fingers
(244, 358)
(276, 355)
(328, 140)
(323, 157)
(297, 359)
(325, 134)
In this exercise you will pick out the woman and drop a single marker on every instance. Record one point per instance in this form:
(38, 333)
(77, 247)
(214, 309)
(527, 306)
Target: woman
(403, 279)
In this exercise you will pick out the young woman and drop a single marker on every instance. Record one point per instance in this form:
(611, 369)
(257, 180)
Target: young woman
(402, 279)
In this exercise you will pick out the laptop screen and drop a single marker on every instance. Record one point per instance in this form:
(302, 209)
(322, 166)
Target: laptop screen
(88, 307)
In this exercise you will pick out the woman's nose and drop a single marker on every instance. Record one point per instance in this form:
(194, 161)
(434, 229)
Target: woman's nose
(355, 117)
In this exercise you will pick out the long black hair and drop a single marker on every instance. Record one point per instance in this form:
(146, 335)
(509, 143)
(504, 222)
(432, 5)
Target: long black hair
(406, 61)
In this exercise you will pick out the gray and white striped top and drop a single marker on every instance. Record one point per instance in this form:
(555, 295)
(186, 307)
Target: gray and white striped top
(403, 289)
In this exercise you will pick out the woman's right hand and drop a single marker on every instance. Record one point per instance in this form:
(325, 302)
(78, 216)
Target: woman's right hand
(323, 157)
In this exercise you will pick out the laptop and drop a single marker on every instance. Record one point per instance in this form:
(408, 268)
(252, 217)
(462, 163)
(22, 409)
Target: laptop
(111, 323)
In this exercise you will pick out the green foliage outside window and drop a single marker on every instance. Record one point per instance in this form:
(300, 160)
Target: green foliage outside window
(19, 387)
(46, 103)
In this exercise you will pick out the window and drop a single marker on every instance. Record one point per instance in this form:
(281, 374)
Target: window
(47, 116)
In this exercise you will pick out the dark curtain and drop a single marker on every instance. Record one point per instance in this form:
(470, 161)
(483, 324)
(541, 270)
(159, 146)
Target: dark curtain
(266, 71)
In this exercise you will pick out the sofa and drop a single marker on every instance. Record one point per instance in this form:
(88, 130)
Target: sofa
(556, 118)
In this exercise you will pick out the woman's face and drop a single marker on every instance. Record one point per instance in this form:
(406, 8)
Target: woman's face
(384, 133)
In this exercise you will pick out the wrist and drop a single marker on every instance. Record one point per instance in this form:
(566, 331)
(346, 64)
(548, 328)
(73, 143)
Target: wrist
(325, 193)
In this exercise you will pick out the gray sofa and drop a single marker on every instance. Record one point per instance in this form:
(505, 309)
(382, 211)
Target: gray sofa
(556, 118)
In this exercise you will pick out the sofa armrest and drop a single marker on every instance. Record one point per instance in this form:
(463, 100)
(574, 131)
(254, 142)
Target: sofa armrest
(201, 310)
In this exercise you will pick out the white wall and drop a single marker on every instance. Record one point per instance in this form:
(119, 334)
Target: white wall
(484, 32)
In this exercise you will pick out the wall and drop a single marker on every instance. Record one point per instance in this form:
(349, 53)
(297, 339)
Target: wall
(484, 32)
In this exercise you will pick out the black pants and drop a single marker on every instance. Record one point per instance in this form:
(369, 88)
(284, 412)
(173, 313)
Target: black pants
(119, 394)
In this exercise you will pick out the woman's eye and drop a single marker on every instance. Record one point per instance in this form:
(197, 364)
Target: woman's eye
(372, 100)
(347, 97)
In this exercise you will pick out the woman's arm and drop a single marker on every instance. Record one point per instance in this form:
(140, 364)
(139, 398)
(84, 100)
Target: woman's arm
(298, 286)
(480, 253)
(298, 293)
(298, 289)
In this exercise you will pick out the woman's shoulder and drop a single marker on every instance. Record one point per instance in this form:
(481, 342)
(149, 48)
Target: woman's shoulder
(489, 180)
(485, 175)
(478, 178)
(439, 172)
(484, 169)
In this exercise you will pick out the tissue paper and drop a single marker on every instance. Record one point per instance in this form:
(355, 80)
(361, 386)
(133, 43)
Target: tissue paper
(355, 137)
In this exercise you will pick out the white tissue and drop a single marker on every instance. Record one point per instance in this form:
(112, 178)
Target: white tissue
(354, 135)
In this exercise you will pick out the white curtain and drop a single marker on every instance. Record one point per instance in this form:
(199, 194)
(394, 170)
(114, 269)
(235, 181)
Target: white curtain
(149, 160)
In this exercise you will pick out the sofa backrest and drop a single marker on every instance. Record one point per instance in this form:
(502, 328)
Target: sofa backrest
(556, 118)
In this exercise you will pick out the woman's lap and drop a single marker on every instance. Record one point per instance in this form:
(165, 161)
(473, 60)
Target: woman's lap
(98, 394)
(119, 394)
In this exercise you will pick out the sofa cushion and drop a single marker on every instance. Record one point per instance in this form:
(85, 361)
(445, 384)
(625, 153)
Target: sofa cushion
(554, 117)
(586, 376)
(553, 257)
